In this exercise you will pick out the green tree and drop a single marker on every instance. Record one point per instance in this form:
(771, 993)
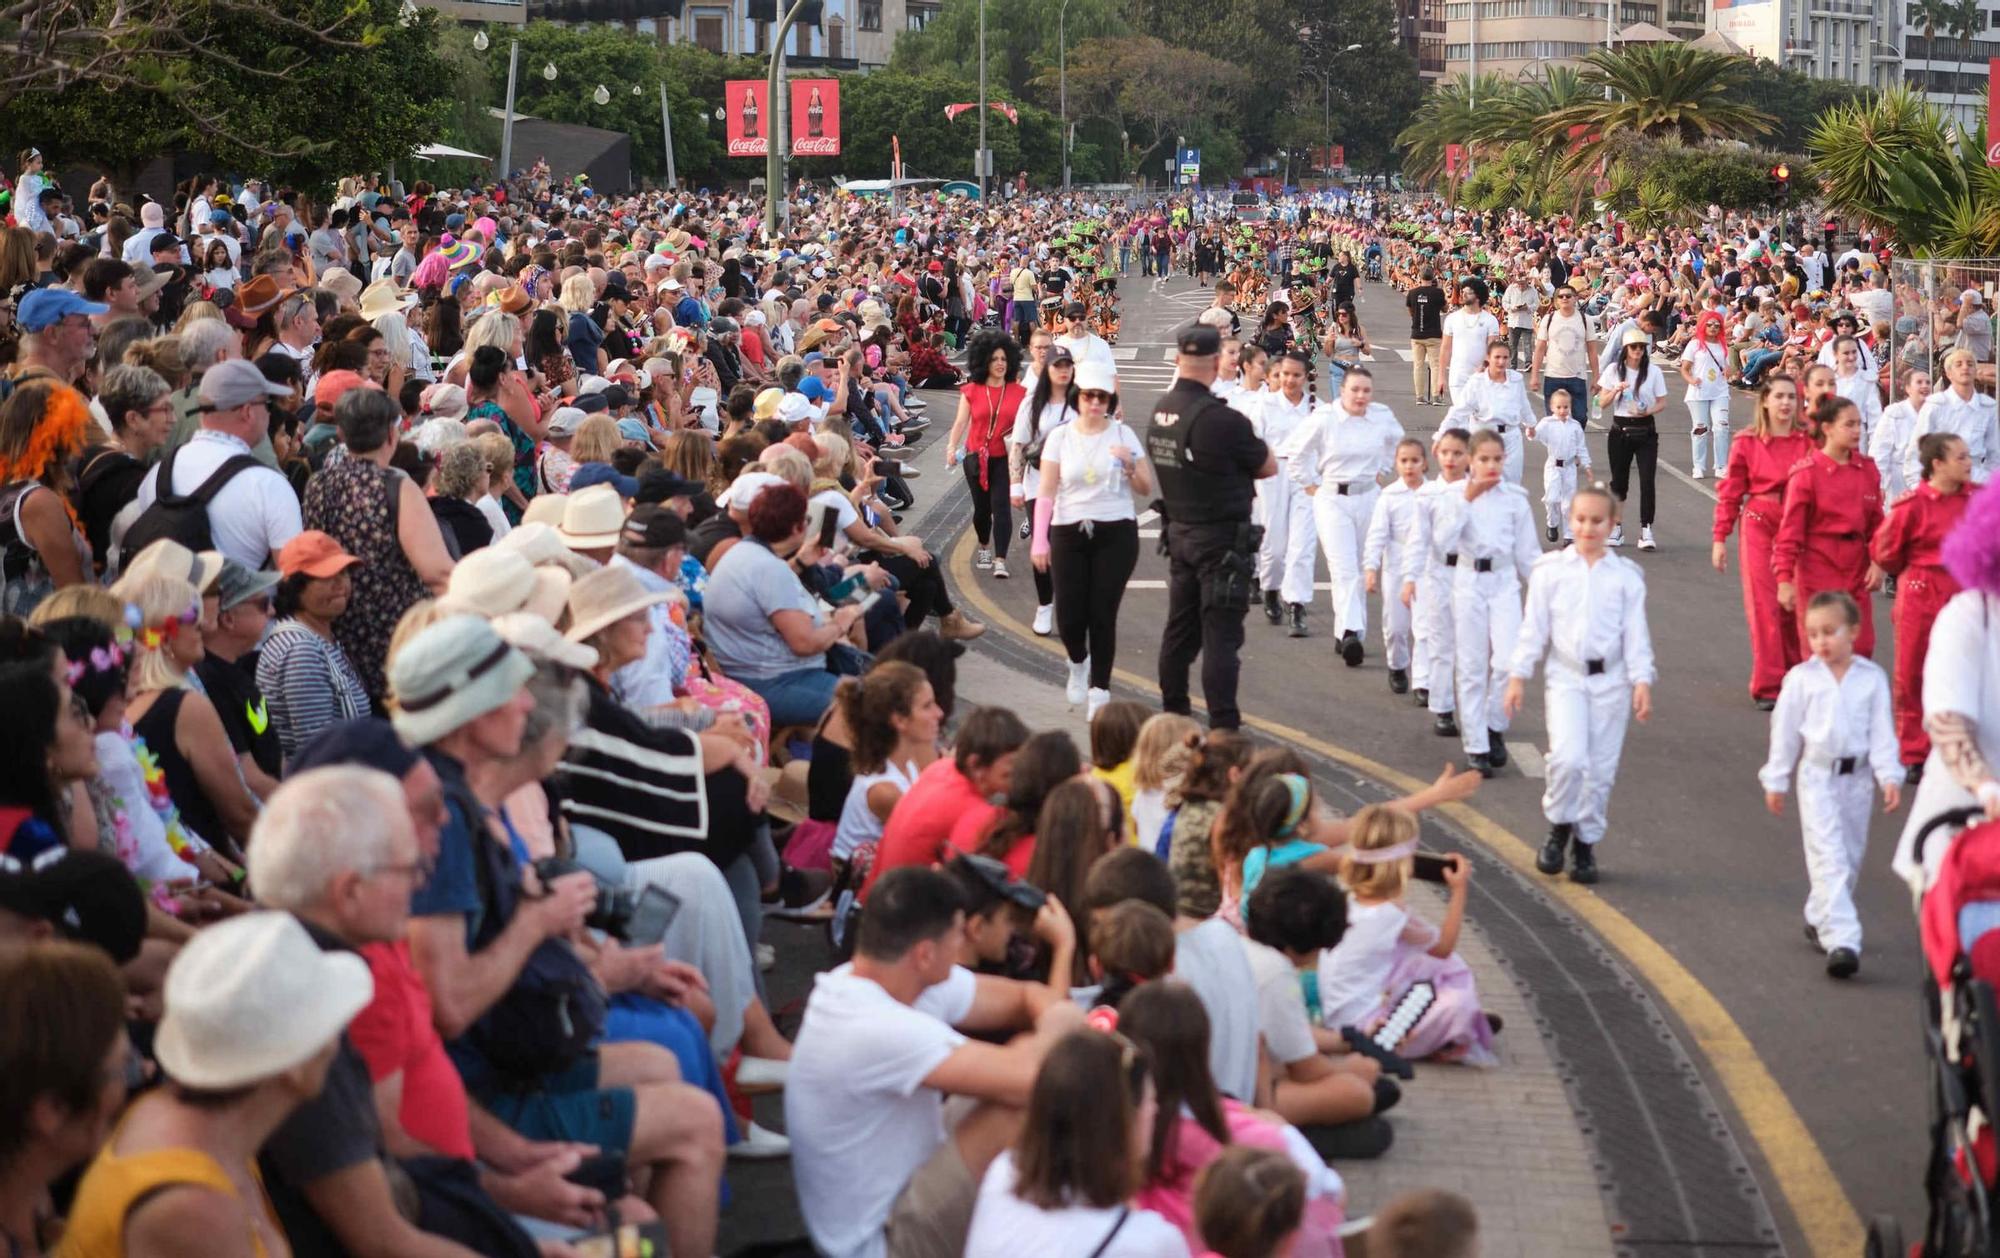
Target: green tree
(1023, 43)
(1471, 112)
(1656, 91)
(1895, 164)
(1155, 93)
(1793, 99)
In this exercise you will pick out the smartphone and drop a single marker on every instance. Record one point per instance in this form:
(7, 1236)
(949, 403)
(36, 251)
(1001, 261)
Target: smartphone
(1430, 868)
(829, 525)
(655, 911)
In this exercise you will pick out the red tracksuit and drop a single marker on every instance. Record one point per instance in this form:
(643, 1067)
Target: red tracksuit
(1755, 486)
(1910, 543)
(1831, 513)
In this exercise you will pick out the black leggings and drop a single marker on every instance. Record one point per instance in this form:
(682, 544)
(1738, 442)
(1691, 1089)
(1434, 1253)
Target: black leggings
(1627, 442)
(924, 583)
(992, 513)
(1090, 571)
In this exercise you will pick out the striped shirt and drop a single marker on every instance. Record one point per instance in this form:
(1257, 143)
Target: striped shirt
(307, 683)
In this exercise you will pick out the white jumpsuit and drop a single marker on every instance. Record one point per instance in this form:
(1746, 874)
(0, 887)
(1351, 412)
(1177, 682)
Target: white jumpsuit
(1975, 419)
(1431, 666)
(1562, 472)
(1894, 449)
(1590, 618)
(1842, 736)
(1342, 455)
(1502, 405)
(1290, 553)
(1494, 540)
(1861, 389)
(1391, 529)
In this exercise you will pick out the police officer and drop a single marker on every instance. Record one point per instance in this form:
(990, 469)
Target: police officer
(1207, 457)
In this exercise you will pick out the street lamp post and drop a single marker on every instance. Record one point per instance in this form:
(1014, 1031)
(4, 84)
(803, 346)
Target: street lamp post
(774, 170)
(980, 161)
(1062, 74)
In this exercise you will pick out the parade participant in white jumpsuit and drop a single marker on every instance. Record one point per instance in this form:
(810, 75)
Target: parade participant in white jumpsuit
(1491, 530)
(1338, 457)
(1894, 445)
(1495, 399)
(1468, 330)
(1857, 386)
(1960, 408)
(1587, 609)
(1833, 720)
(1427, 584)
(1290, 551)
(1392, 530)
(1569, 459)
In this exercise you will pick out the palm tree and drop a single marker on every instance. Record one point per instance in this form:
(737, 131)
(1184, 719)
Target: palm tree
(1457, 111)
(1930, 14)
(1657, 90)
(1894, 164)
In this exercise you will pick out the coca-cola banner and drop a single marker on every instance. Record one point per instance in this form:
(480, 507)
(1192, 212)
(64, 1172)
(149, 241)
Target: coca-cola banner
(748, 120)
(815, 117)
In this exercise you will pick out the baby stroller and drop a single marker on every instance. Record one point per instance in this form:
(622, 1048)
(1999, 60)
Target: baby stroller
(1959, 920)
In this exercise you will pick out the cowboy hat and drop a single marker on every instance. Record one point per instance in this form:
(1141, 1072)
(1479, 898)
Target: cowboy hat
(605, 597)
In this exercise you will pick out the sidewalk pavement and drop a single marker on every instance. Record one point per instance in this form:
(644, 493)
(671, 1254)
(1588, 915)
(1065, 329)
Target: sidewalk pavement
(1506, 1137)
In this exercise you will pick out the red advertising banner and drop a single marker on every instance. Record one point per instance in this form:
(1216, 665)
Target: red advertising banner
(815, 117)
(1454, 158)
(748, 118)
(1993, 112)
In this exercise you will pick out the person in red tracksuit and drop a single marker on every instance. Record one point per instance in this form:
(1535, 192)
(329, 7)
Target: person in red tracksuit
(1833, 505)
(1754, 487)
(1910, 543)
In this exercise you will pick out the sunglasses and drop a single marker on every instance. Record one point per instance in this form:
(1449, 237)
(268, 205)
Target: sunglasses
(1095, 395)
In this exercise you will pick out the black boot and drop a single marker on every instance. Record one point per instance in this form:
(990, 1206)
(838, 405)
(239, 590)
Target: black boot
(1496, 748)
(1351, 649)
(1399, 681)
(1914, 774)
(1550, 861)
(1482, 762)
(1583, 862)
(1421, 697)
(1843, 962)
(1445, 726)
(1298, 618)
(1274, 609)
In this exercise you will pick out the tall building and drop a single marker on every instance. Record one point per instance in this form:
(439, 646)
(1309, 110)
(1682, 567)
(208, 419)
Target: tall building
(847, 35)
(1509, 37)
(1848, 40)
(1949, 70)
(1420, 30)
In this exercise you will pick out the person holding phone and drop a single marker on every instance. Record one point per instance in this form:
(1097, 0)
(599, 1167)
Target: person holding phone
(1587, 612)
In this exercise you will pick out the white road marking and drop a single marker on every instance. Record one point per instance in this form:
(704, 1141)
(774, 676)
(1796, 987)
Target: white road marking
(1529, 757)
(1124, 353)
(1161, 585)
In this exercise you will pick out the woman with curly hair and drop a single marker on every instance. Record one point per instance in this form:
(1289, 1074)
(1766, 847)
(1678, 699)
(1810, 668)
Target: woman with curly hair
(42, 427)
(987, 406)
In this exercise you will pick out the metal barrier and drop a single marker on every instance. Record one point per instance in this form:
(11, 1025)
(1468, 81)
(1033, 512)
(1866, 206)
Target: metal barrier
(1933, 316)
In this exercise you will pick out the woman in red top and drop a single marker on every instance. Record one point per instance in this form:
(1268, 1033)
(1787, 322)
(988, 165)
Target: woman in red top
(987, 404)
(1833, 505)
(1754, 486)
(1910, 544)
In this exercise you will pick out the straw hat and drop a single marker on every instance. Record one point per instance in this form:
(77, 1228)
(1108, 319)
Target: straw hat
(493, 581)
(545, 509)
(384, 297)
(543, 548)
(252, 997)
(168, 558)
(538, 640)
(767, 403)
(591, 518)
(606, 597)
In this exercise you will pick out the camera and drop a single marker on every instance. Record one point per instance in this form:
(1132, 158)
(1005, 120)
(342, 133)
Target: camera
(612, 913)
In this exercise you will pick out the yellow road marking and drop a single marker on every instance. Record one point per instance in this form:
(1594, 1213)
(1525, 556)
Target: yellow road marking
(1819, 1206)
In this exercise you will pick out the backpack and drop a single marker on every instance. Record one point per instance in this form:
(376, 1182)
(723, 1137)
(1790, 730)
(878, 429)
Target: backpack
(182, 517)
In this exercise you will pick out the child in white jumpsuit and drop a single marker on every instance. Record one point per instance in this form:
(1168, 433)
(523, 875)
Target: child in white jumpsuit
(1391, 532)
(1833, 720)
(1568, 461)
(1587, 610)
(1338, 457)
(1489, 536)
(1427, 585)
(1495, 399)
(1893, 445)
(1290, 551)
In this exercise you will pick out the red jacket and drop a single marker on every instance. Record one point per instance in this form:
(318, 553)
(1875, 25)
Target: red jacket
(1758, 467)
(1912, 536)
(1826, 503)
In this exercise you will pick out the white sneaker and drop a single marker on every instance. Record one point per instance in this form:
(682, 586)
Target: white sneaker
(1045, 620)
(1079, 683)
(1098, 698)
(760, 1144)
(1000, 568)
(761, 1074)
(982, 557)
(1617, 537)
(1646, 541)
(1700, 475)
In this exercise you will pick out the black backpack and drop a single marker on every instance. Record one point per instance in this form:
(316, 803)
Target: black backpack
(181, 517)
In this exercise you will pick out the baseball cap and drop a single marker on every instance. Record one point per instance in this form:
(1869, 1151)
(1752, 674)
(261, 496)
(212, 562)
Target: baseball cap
(46, 307)
(1199, 341)
(815, 389)
(653, 526)
(314, 553)
(236, 382)
(87, 896)
(603, 474)
(659, 484)
(995, 876)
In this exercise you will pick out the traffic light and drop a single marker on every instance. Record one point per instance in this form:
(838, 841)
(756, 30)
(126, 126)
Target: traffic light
(1781, 181)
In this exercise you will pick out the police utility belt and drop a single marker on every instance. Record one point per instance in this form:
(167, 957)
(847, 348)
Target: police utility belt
(1839, 766)
(1588, 668)
(1473, 562)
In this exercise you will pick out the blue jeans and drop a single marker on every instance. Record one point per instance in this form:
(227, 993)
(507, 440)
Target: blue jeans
(1756, 360)
(1579, 400)
(799, 697)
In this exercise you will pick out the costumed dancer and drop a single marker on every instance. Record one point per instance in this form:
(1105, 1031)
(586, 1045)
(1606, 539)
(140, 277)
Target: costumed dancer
(1833, 505)
(1290, 551)
(1568, 462)
(1392, 531)
(1754, 488)
(1427, 584)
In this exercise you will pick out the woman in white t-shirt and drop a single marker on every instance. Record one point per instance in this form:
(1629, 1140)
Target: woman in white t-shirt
(1633, 393)
(1064, 1190)
(1050, 404)
(1086, 532)
(1704, 364)
(892, 717)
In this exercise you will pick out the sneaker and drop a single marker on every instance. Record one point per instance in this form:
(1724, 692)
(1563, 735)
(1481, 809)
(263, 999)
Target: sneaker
(1646, 541)
(1699, 474)
(1097, 700)
(1045, 620)
(1481, 762)
(1000, 569)
(1363, 1138)
(1444, 725)
(1843, 963)
(959, 627)
(914, 424)
(1764, 704)
(909, 471)
(761, 1074)
(1617, 537)
(760, 1144)
(982, 558)
(1078, 688)
(1421, 697)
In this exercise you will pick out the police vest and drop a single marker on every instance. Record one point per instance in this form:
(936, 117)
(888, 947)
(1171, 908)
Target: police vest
(1190, 494)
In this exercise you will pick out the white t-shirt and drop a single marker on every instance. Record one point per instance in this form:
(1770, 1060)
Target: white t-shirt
(1281, 1005)
(1093, 485)
(1643, 394)
(1354, 972)
(845, 516)
(1704, 363)
(1568, 356)
(1210, 958)
(1004, 1226)
(856, 1108)
(1470, 333)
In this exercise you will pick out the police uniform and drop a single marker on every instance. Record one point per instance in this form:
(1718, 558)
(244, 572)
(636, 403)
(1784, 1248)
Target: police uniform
(1208, 460)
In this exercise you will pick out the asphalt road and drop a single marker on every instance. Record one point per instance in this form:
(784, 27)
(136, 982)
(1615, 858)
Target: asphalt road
(1691, 857)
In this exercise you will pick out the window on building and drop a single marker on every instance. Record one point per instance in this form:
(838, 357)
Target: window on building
(917, 16)
(708, 31)
(836, 39)
(871, 15)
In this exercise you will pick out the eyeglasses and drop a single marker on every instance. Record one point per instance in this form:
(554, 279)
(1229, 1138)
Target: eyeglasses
(1095, 395)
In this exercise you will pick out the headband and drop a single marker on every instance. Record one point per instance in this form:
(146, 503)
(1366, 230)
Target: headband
(1384, 855)
(1301, 796)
